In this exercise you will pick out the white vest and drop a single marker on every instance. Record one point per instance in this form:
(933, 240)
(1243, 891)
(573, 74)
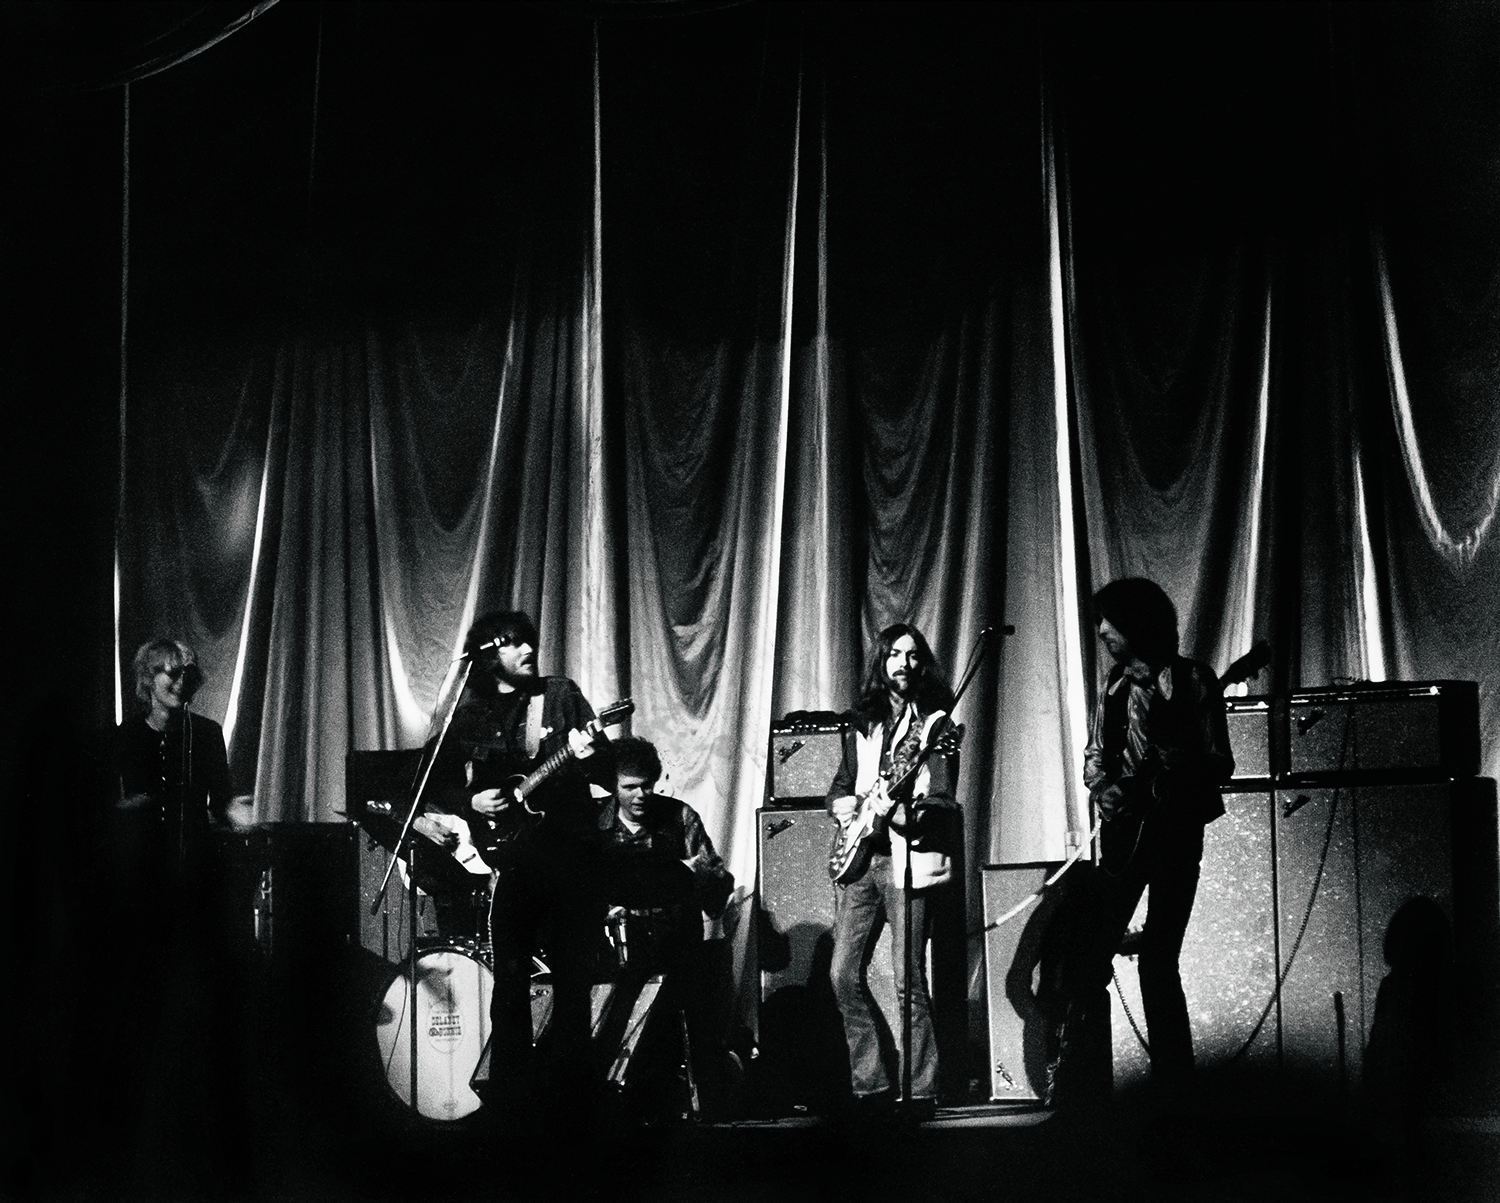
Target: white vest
(927, 868)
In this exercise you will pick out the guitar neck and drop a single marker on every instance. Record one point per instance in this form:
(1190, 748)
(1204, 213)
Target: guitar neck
(943, 744)
(553, 763)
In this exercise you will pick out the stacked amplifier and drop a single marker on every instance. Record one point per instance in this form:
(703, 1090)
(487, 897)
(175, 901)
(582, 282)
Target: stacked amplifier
(1354, 812)
(1381, 733)
(1354, 820)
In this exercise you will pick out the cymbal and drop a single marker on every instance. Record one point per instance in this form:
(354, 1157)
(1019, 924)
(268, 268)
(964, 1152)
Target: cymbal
(437, 871)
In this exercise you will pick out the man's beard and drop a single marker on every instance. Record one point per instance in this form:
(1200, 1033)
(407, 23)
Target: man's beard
(522, 683)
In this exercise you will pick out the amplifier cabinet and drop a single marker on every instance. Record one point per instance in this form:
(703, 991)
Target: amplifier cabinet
(801, 1032)
(1420, 727)
(1249, 720)
(804, 759)
(1347, 860)
(291, 888)
(1013, 953)
(1228, 960)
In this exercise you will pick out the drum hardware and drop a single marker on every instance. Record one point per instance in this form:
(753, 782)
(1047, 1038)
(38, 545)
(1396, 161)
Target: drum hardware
(447, 1024)
(262, 911)
(616, 925)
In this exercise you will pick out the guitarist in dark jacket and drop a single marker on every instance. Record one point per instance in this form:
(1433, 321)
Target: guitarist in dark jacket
(904, 708)
(544, 850)
(1158, 752)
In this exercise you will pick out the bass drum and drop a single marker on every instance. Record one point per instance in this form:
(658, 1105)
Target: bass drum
(453, 1026)
(454, 985)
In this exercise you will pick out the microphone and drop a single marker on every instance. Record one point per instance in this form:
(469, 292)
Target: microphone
(470, 653)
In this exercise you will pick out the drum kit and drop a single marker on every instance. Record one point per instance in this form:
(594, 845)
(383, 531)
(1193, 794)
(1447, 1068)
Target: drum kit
(433, 1041)
(455, 980)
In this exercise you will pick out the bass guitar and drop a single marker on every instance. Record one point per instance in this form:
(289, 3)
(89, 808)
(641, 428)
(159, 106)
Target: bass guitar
(1120, 833)
(490, 831)
(852, 841)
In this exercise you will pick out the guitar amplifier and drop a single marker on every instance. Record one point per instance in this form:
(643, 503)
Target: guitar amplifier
(804, 759)
(1421, 728)
(1249, 720)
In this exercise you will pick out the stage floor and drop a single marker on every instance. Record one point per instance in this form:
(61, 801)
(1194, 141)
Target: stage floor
(1202, 1150)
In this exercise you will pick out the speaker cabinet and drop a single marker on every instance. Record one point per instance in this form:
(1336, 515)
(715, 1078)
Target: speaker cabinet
(1019, 1029)
(1249, 722)
(1228, 960)
(804, 760)
(1410, 728)
(1347, 860)
(293, 888)
(801, 1032)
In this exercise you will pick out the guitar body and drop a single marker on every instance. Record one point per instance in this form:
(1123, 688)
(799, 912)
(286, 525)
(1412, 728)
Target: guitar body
(850, 854)
(853, 841)
(492, 831)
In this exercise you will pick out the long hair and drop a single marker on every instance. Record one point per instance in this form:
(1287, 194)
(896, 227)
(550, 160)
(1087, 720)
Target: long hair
(932, 690)
(1141, 611)
(160, 653)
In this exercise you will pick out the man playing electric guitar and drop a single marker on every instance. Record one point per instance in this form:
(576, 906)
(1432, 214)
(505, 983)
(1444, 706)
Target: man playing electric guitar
(1158, 752)
(509, 721)
(903, 708)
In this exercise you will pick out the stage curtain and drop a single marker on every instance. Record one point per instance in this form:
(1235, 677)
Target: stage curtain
(1170, 309)
(1425, 152)
(698, 195)
(322, 502)
(720, 343)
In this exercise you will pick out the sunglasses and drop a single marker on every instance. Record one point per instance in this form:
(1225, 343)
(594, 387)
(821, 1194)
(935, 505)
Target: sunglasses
(174, 673)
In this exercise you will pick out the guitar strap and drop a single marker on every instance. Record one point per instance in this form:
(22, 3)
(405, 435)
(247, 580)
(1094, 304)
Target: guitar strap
(534, 732)
(905, 743)
(1116, 719)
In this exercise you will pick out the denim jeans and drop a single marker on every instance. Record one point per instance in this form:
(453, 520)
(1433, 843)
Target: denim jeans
(863, 908)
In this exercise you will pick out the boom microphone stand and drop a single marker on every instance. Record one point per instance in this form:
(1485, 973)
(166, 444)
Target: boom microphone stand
(406, 841)
(988, 638)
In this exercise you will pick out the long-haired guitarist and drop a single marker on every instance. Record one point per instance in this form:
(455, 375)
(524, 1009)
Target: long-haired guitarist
(1155, 760)
(903, 708)
(544, 848)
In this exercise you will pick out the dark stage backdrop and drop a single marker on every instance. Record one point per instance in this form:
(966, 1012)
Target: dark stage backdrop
(722, 339)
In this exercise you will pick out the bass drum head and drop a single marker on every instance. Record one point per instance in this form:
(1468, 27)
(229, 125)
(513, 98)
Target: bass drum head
(453, 1026)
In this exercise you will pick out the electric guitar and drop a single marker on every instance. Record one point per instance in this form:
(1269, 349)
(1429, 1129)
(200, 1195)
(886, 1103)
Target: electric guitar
(852, 841)
(490, 831)
(1120, 833)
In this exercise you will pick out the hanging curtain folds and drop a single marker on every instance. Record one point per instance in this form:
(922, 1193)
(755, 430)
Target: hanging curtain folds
(773, 349)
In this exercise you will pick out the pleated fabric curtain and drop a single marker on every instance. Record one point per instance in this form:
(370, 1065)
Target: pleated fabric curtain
(768, 337)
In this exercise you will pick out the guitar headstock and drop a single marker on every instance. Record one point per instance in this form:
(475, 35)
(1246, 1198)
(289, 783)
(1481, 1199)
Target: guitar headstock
(614, 713)
(1247, 665)
(949, 741)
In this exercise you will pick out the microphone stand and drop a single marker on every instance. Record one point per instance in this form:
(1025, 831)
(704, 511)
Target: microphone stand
(407, 841)
(989, 637)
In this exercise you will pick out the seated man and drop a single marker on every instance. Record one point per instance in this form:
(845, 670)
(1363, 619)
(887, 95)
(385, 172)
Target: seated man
(662, 876)
(661, 867)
